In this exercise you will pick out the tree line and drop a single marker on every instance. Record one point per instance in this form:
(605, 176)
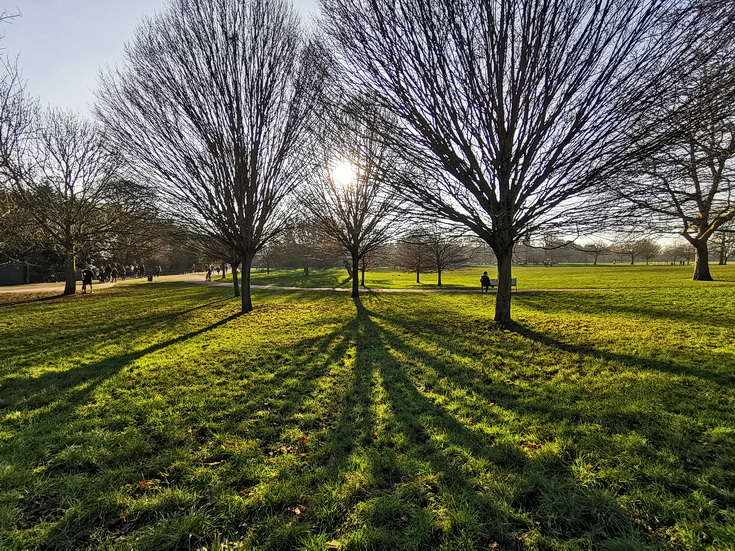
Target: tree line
(507, 119)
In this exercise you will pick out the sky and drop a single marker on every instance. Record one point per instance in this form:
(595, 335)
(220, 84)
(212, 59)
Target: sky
(62, 44)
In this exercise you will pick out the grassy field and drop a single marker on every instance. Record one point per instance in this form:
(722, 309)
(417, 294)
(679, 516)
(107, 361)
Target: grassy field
(152, 416)
(603, 276)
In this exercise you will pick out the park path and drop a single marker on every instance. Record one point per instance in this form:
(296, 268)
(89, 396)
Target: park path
(49, 287)
(198, 279)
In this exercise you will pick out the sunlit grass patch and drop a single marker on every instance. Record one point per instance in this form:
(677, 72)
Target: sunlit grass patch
(572, 276)
(153, 416)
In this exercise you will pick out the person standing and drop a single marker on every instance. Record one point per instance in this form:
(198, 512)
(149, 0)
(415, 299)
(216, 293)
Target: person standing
(87, 275)
(485, 282)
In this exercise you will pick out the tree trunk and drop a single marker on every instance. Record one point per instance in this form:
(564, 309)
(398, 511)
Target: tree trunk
(247, 302)
(723, 248)
(362, 275)
(701, 262)
(70, 273)
(224, 269)
(355, 272)
(503, 296)
(418, 275)
(438, 278)
(306, 271)
(235, 282)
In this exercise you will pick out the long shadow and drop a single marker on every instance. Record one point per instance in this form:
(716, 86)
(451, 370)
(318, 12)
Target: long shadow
(639, 363)
(533, 399)
(92, 373)
(295, 385)
(631, 361)
(593, 305)
(78, 337)
(50, 298)
(424, 425)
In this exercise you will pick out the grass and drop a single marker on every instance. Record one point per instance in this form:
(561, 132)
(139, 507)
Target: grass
(152, 416)
(603, 276)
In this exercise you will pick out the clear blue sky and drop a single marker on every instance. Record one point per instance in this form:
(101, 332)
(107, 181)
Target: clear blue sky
(62, 44)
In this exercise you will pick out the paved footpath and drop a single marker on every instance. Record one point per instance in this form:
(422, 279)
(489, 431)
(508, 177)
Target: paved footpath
(198, 278)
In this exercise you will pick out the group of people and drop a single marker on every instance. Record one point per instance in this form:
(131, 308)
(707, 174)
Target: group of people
(111, 273)
(211, 268)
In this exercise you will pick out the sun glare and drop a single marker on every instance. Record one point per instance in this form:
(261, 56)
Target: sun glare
(343, 173)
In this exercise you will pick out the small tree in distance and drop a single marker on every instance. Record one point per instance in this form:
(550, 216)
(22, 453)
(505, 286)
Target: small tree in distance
(347, 196)
(412, 255)
(596, 248)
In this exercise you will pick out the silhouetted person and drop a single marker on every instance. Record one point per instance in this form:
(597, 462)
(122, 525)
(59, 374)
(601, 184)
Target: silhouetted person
(485, 282)
(87, 275)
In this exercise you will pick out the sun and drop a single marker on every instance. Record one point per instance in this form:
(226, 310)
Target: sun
(343, 173)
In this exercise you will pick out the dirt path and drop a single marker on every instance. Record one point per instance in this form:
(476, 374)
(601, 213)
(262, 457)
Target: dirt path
(198, 279)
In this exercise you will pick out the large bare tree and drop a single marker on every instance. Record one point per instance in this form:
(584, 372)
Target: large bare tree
(211, 103)
(513, 109)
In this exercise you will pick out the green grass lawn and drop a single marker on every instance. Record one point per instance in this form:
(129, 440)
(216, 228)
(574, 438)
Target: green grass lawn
(529, 277)
(152, 416)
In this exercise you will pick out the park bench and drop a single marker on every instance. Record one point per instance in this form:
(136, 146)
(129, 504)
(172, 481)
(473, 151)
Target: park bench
(513, 283)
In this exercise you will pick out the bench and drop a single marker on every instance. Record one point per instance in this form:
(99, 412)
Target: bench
(513, 283)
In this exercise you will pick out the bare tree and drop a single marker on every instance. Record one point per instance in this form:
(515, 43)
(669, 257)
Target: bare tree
(648, 249)
(212, 104)
(724, 242)
(681, 253)
(634, 249)
(513, 111)
(596, 248)
(446, 247)
(69, 185)
(347, 196)
(690, 184)
(412, 255)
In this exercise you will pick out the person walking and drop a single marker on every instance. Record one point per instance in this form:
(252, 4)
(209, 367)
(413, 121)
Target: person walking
(485, 282)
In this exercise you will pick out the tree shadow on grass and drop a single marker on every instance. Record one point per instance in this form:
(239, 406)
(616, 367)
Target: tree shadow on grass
(443, 375)
(56, 394)
(83, 333)
(423, 486)
(596, 303)
(46, 437)
(23, 298)
(625, 359)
